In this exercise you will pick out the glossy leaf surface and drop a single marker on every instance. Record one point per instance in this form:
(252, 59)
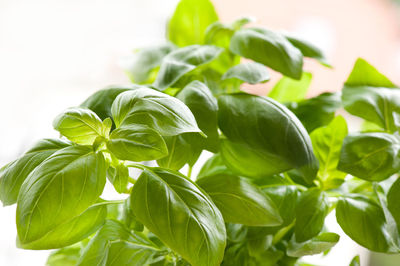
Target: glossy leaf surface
(315, 245)
(250, 72)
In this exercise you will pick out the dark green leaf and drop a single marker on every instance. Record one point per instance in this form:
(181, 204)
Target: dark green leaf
(161, 112)
(250, 72)
(181, 215)
(137, 143)
(119, 176)
(370, 156)
(311, 211)
(190, 21)
(14, 174)
(269, 48)
(240, 201)
(182, 61)
(116, 245)
(60, 188)
(269, 129)
(313, 246)
(80, 125)
(141, 68)
(327, 143)
(363, 221)
(291, 90)
(393, 201)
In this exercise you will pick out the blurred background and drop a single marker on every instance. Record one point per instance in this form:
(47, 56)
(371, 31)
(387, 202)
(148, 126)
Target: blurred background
(53, 54)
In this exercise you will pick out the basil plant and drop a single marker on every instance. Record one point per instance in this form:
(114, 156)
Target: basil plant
(280, 163)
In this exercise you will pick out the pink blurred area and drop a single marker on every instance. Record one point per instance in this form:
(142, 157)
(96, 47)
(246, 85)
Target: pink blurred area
(344, 29)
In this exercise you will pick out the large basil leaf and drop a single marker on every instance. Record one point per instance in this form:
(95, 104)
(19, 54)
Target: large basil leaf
(100, 102)
(14, 174)
(161, 112)
(145, 61)
(137, 143)
(370, 156)
(249, 72)
(370, 95)
(71, 231)
(80, 125)
(182, 61)
(317, 111)
(114, 244)
(327, 143)
(190, 21)
(181, 215)
(240, 201)
(291, 90)
(363, 220)
(311, 211)
(315, 245)
(268, 48)
(267, 126)
(60, 188)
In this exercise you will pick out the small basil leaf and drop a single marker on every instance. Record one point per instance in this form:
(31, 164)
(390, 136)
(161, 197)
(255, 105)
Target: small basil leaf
(268, 48)
(318, 111)
(307, 49)
(190, 21)
(327, 143)
(114, 244)
(213, 166)
(119, 176)
(100, 102)
(355, 261)
(187, 220)
(315, 245)
(370, 156)
(393, 199)
(265, 125)
(291, 90)
(182, 61)
(145, 61)
(240, 201)
(161, 112)
(311, 211)
(68, 256)
(72, 230)
(250, 72)
(15, 173)
(198, 97)
(137, 143)
(60, 188)
(80, 125)
(364, 221)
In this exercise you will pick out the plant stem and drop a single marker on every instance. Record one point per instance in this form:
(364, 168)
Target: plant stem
(189, 173)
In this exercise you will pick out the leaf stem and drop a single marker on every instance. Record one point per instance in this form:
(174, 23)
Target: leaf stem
(189, 173)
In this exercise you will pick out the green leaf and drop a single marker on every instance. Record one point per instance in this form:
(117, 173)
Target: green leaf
(311, 211)
(60, 188)
(198, 97)
(363, 220)
(318, 111)
(370, 156)
(268, 127)
(114, 244)
(190, 21)
(119, 176)
(327, 143)
(182, 61)
(71, 231)
(370, 95)
(68, 256)
(249, 72)
(355, 261)
(15, 173)
(307, 49)
(268, 48)
(240, 201)
(161, 112)
(182, 216)
(136, 143)
(291, 90)
(315, 245)
(80, 125)
(145, 61)
(393, 199)
(100, 102)
(213, 166)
